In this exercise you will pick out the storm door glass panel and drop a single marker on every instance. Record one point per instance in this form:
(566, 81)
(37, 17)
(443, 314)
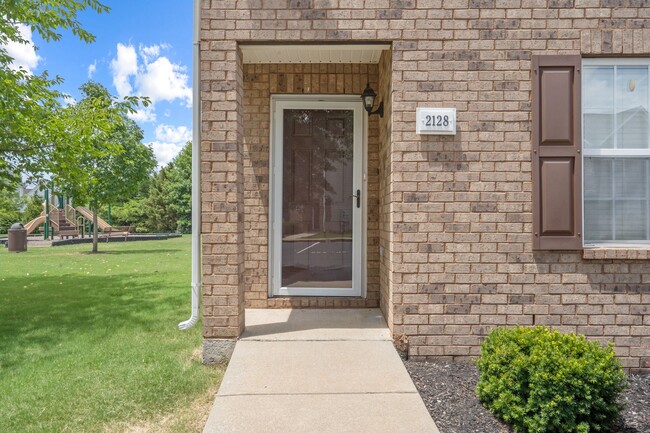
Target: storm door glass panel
(317, 185)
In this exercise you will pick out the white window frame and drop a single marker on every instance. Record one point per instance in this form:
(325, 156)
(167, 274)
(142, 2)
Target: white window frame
(611, 153)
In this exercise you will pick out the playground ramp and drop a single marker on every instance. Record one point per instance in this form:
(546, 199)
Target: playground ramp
(35, 223)
(61, 225)
(88, 214)
(32, 225)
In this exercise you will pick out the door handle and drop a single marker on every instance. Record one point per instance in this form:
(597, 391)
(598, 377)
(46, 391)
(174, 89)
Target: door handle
(358, 196)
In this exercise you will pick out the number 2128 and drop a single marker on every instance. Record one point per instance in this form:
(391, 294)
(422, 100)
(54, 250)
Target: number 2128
(436, 120)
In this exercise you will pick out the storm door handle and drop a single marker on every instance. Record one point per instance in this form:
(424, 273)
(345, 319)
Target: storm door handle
(358, 196)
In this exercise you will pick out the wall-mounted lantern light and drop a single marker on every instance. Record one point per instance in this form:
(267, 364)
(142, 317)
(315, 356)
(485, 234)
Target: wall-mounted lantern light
(368, 97)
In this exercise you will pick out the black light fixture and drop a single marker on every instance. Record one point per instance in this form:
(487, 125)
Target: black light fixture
(368, 97)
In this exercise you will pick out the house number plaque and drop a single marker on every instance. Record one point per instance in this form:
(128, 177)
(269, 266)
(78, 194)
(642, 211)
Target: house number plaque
(438, 121)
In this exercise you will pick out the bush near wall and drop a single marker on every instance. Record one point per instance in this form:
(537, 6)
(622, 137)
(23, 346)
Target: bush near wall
(542, 381)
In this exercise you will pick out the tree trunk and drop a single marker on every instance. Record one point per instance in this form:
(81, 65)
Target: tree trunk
(95, 236)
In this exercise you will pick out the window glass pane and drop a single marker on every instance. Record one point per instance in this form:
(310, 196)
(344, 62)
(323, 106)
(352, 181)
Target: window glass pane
(616, 188)
(598, 178)
(630, 178)
(598, 107)
(598, 220)
(632, 107)
(630, 220)
(598, 131)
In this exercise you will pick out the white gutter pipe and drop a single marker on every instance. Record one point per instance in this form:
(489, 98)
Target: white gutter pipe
(196, 177)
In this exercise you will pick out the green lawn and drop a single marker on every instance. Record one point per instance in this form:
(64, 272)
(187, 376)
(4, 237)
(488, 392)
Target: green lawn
(89, 343)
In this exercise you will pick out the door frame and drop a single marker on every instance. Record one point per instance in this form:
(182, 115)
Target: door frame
(359, 265)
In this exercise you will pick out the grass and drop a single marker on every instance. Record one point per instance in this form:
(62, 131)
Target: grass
(89, 342)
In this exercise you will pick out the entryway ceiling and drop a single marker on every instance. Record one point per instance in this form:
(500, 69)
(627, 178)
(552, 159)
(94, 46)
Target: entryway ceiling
(368, 53)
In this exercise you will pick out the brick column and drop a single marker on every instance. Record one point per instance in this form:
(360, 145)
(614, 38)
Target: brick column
(222, 182)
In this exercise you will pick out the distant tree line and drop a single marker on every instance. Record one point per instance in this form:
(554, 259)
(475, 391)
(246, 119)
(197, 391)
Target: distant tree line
(163, 201)
(160, 203)
(91, 150)
(14, 208)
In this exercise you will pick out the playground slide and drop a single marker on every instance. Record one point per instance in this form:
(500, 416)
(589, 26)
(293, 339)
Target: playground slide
(33, 224)
(86, 213)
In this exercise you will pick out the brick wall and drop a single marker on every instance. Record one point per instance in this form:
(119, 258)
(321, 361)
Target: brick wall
(385, 187)
(222, 196)
(455, 212)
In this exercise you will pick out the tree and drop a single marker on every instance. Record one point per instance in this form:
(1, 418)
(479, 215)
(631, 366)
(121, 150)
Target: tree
(131, 210)
(14, 208)
(33, 207)
(178, 188)
(10, 205)
(113, 161)
(160, 216)
(29, 104)
(164, 201)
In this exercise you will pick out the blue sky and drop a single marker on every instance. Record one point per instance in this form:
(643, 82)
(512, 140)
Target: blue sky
(143, 47)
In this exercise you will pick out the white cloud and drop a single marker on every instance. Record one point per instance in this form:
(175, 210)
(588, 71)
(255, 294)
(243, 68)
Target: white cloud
(24, 54)
(147, 73)
(146, 114)
(169, 141)
(92, 69)
(163, 80)
(179, 135)
(165, 152)
(124, 66)
(150, 52)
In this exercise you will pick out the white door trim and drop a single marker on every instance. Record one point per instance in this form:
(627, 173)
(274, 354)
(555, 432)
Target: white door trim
(347, 102)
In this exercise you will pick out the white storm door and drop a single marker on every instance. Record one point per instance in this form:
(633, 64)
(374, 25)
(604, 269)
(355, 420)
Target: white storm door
(317, 197)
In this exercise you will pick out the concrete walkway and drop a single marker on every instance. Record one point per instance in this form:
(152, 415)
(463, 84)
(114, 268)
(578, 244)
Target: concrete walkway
(309, 371)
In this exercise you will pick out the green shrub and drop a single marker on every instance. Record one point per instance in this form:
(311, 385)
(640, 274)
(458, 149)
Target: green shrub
(543, 381)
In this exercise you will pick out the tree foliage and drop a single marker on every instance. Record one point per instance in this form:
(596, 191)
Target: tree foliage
(114, 161)
(178, 189)
(10, 205)
(166, 204)
(14, 208)
(33, 208)
(30, 124)
(48, 18)
(91, 150)
(160, 216)
(103, 159)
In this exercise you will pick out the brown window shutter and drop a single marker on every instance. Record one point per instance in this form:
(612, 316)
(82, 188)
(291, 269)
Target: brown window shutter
(557, 161)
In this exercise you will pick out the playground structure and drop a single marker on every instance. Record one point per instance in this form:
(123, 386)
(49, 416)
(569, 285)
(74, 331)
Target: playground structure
(66, 221)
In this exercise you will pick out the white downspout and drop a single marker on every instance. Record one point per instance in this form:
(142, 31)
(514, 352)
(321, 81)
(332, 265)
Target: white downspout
(196, 177)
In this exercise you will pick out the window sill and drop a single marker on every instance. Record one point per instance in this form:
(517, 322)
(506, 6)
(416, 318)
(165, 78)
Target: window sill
(618, 253)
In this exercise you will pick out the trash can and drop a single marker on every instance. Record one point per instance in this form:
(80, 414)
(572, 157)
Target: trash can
(17, 241)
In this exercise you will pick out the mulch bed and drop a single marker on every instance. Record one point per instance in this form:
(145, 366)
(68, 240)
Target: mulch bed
(448, 393)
